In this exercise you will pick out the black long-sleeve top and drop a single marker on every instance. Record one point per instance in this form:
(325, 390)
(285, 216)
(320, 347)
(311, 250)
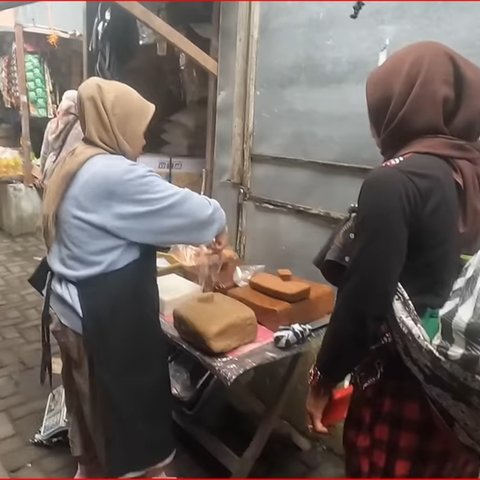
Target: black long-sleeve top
(407, 231)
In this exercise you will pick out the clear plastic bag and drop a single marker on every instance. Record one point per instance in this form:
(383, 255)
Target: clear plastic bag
(205, 267)
(11, 163)
(203, 264)
(146, 36)
(244, 273)
(181, 384)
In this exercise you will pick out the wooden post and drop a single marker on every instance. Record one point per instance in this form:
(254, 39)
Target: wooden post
(85, 41)
(171, 35)
(253, 29)
(239, 91)
(212, 102)
(244, 100)
(24, 106)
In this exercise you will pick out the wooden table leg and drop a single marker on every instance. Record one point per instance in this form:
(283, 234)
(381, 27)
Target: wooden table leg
(208, 441)
(240, 467)
(264, 430)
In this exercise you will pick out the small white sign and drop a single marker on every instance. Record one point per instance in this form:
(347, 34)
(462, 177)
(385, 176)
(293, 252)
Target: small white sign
(163, 164)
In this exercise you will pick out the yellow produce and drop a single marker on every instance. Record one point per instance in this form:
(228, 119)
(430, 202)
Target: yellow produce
(11, 164)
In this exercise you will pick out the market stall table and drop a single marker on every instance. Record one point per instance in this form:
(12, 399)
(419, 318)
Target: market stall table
(228, 368)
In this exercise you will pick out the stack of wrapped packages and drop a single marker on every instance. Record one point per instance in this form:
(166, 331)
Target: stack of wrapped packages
(215, 315)
(226, 303)
(210, 321)
(281, 299)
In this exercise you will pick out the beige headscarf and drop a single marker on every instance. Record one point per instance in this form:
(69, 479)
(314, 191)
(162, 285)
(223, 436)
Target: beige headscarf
(66, 110)
(62, 135)
(114, 118)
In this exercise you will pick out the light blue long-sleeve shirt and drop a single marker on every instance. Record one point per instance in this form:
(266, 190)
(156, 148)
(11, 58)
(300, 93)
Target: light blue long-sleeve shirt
(112, 207)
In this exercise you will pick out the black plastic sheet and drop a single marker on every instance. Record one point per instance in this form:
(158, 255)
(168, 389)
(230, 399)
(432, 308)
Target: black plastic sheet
(227, 368)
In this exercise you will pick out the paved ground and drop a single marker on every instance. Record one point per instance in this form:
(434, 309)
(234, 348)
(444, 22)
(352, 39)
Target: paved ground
(22, 399)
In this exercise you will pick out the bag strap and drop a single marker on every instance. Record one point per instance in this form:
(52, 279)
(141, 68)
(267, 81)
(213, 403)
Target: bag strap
(46, 362)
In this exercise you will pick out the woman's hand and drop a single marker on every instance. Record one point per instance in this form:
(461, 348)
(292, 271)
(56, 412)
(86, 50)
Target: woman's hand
(220, 242)
(37, 177)
(317, 400)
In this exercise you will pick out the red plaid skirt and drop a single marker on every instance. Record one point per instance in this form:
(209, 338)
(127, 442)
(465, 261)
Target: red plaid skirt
(392, 431)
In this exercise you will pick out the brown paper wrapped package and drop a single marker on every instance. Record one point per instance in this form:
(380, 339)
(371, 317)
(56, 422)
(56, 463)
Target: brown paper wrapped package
(281, 286)
(274, 313)
(215, 323)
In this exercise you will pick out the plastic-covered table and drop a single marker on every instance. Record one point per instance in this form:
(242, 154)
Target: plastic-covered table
(228, 368)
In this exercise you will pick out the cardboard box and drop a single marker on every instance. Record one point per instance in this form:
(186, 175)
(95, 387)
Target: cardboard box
(184, 172)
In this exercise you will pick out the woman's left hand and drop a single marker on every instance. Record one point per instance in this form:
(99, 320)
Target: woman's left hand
(37, 177)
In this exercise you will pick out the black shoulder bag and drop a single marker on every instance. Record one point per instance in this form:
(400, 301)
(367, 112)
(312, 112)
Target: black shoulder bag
(334, 257)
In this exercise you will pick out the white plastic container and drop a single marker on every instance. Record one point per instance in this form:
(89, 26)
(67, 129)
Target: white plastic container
(174, 290)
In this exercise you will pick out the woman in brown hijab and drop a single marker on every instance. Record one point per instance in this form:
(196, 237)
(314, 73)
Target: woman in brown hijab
(416, 215)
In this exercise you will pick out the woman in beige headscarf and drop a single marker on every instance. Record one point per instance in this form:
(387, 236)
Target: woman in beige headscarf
(62, 134)
(104, 216)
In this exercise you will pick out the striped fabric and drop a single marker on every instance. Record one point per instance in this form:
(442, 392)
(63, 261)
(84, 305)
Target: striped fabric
(448, 366)
(295, 334)
(459, 338)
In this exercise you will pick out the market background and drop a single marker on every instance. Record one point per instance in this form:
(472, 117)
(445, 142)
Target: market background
(57, 66)
(281, 139)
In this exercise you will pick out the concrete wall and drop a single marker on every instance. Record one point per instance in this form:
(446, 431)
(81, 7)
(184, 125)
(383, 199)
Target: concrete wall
(311, 143)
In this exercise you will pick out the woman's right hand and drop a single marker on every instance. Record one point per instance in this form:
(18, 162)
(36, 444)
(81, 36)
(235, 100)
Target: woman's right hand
(221, 241)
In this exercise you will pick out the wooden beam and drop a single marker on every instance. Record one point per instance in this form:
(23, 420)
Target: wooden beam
(254, 22)
(24, 106)
(171, 35)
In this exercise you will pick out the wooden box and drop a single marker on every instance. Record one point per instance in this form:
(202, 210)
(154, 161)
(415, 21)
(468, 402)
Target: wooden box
(273, 313)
